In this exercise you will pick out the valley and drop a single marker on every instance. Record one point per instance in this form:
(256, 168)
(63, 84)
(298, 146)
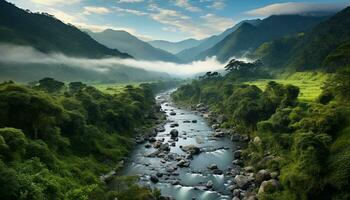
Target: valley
(174, 100)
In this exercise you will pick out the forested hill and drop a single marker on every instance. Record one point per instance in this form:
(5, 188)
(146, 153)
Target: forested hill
(298, 149)
(48, 34)
(56, 140)
(327, 46)
(130, 44)
(249, 37)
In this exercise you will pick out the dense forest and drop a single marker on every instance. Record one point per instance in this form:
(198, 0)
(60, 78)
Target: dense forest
(79, 108)
(58, 140)
(307, 143)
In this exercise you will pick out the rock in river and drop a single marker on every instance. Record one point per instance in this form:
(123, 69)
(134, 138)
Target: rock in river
(190, 149)
(172, 113)
(209, 184)
(212, 166)
(183, 163)
(174, 133)
(154, 179)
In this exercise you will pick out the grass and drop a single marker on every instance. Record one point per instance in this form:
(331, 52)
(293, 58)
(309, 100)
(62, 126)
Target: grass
(113, 88)
(310, 83)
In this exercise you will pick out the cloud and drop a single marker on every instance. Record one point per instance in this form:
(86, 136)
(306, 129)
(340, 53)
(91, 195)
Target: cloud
(186, 5)
(296, 8)
(130, 1)
(130, 11)
(27, 55)
(217, 23)
(207, 25)
(95, 10)
(54, 2)
(218, 5)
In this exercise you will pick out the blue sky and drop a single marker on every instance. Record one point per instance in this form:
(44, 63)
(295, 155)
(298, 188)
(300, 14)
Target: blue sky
(172, 20)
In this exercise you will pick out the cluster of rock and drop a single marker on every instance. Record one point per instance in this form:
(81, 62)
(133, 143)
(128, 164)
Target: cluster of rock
(246, 184)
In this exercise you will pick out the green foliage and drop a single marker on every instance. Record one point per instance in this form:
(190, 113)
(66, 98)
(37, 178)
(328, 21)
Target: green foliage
(307, 143)
(61, 140)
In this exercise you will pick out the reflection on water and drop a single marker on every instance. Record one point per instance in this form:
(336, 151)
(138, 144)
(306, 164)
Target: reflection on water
(190, 181)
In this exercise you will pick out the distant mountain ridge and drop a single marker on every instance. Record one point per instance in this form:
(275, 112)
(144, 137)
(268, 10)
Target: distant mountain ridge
(130, 44)
(191, 54)
(48, 34)
(326, 46)
(249, 37)
(175, 47)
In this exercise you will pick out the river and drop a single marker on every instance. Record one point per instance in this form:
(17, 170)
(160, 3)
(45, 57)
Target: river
(180, 181)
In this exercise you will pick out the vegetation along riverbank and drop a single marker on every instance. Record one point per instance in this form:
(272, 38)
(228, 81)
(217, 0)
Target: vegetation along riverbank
(297, 149)
(59, 139)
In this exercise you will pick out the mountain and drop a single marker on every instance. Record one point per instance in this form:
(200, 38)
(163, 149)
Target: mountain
(191, 53)
(48, 34)
(175, 47)
(130, 44)
(326, 46)
(249, 37)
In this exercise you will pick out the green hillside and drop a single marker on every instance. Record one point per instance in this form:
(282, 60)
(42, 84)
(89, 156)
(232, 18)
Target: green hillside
(48, 34)
(324, 47)
(249, 37)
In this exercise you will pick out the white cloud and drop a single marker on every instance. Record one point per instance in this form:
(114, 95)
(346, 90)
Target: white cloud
(186, 5)
(130, 11)
(28, 55)
(130, 1)
(63, 16)
(217, 23)
(207, 25)
(296, 8)
(217, 4)
(95, 10)
(54, 2)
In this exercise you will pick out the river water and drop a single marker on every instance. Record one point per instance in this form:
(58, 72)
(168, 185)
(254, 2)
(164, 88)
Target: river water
(185, 182)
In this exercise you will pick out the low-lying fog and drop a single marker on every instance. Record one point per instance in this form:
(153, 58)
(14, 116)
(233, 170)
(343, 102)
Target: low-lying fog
(11, 54)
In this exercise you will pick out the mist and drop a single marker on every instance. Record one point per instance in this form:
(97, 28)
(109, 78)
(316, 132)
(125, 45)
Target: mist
(12, 54)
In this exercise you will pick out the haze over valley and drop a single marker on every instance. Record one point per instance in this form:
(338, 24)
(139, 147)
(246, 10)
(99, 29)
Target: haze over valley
(174, 99)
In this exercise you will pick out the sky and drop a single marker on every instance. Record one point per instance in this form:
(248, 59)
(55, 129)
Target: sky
(172, 20)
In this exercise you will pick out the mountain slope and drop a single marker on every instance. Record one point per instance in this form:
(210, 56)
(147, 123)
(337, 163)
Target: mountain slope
(175, 47)
(48, 34)
(130, 44)
(248, 37)
(324, 43)
(191, 53)
(326, 46)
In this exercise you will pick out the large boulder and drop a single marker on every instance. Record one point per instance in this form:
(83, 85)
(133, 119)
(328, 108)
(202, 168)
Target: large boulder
(154, 179)
(242, 181)
(191, 149)
(269, 186)
(262, 175)
(212, 166)
(174, 133)
(210, 184)
(183, 163)
(164, 147)
(160, 129)
(237, 154)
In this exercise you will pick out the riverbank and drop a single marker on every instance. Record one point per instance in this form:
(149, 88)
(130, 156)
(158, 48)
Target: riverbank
(294, 149)
(188, 159)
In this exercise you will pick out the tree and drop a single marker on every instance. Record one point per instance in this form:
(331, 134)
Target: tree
(76, 86)
(50, 85)
(15, 142)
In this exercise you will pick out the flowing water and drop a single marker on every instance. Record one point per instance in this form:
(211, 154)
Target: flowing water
(186, 182)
